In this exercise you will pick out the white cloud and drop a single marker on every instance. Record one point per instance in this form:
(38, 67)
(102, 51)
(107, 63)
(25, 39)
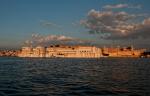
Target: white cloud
(48, 24)
(118, 6)
(115, 6)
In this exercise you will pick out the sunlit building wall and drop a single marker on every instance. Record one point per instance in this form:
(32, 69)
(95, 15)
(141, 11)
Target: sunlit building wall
(122, 52)
(62, 51)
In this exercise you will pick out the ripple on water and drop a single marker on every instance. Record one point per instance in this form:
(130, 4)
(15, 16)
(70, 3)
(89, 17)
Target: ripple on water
(74, 77)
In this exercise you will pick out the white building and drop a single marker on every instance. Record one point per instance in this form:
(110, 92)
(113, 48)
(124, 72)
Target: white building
(79, 52)
(62, 51)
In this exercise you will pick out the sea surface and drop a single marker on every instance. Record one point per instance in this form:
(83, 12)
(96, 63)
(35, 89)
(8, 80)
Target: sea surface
(74, 77)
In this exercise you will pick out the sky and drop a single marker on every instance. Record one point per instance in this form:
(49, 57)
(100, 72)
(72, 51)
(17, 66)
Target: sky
(24, 22)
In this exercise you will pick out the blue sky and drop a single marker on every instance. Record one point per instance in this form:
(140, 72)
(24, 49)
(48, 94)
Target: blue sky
(19, 19)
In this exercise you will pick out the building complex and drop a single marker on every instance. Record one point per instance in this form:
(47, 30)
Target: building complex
(61, 51)
(79, 52)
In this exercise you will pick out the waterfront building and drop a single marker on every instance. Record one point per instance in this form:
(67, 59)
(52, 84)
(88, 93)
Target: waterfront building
(26, 52)
(39, 52)
(62, 51)
(122, 52)
(79, 52)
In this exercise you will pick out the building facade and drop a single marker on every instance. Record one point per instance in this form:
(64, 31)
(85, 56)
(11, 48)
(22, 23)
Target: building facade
(122, 52)
(62, 51)
(79, 52)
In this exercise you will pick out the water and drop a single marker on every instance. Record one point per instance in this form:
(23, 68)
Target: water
(74, 77)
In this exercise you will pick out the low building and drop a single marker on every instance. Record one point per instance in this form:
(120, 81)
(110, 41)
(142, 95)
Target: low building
(9, 53)
(122, 52)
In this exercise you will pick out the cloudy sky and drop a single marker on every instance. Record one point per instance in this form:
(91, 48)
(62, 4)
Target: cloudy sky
(110, 22)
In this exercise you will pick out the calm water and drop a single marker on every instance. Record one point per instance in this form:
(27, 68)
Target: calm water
(74, 77)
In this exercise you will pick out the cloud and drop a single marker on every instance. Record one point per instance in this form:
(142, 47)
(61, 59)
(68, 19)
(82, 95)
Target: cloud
(135, 7)
(115, 6)
(142, 30)
(28, 42)
(48, 24)
(53, 40)
(116, 25)
(118, 6)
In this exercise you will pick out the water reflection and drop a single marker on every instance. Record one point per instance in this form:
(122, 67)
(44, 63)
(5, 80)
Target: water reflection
(73, 77)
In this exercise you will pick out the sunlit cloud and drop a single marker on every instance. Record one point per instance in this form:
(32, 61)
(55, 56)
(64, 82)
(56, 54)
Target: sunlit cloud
(116, 25)
(47, 40)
